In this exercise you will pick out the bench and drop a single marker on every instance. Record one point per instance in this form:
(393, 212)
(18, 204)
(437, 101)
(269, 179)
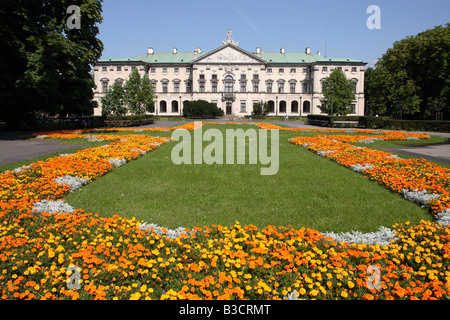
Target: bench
(318, 122)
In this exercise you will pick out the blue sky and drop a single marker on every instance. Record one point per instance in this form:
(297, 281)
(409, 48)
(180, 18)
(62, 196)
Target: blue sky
(335, 27)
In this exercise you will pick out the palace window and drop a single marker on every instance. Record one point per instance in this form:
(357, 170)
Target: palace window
(163, 106)
(228, 84)
(269, 87)
(104, 85)
(305, 87)
(119, 68)
(164, 70)
(280, 87)
(152, 70)
(324, 69)
(165, 86)
(243, 107)
(282, 106)
(174, 106)
(214, 86)
(293, 70)
(255, 87)
(355, 82)
(243, 87)
(292, 87)
(294, 106)
(176, 87)
(104, 68)
(354, 69)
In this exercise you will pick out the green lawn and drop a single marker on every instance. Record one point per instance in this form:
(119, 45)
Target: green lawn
(308, 191)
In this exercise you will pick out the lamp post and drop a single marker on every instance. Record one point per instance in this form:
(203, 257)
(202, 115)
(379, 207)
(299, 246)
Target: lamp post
(276, 105)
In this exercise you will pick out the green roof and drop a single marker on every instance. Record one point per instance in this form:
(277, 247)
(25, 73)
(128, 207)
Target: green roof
(270, 57)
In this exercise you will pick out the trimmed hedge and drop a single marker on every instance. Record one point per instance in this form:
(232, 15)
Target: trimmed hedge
(201, 109)
(379, 123)
(128, 121)
(407, 125)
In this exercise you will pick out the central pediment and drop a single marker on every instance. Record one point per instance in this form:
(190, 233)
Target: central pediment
(229, 54)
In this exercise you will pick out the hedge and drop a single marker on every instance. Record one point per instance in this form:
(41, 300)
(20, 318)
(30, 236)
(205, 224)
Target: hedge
(128, 121)
(379, 123)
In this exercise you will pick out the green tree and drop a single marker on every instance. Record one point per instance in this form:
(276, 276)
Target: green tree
(113, 102)
(374, 102)
(412, 73)
(46, 66)
(140, 96)
(260, 109)
(338, 94)
(148, 94)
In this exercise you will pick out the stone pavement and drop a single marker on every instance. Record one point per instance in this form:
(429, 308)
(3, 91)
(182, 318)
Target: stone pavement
(15, 147)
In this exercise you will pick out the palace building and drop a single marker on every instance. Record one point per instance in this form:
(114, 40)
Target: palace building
(234, 79)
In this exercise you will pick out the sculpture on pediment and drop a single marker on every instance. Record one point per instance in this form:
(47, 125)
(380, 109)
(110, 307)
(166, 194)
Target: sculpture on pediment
(229, 40)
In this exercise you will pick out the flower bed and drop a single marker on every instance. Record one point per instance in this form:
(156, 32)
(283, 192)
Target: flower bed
(79, 255)
(400, 175)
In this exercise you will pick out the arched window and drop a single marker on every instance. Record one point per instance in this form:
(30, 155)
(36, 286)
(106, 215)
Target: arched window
(282, 106)
(306, 107)
(294, 106)
(229, 84)
(271, 106)
(162, 106)
(174, 106)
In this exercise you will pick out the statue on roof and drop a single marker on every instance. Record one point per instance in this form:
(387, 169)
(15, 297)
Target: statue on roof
(229, 40)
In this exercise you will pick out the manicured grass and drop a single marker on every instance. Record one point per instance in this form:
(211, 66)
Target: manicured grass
(308, 191)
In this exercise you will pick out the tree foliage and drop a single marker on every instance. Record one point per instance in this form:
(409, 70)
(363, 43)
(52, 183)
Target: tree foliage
(135, 97)
(113, 102)
(412, 78)
(140, 96)
(338, 94)
(45, 65)
(201, 108)
(260, 109)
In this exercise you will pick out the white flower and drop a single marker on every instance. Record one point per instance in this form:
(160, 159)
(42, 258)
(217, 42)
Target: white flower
(73, 182)
(52, 206)
(117, 162)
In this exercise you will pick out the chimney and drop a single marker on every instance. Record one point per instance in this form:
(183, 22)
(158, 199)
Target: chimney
(258, 50)
(318, 53)
(282, 50)
(150, 51)
(308, 50)
(175, 50)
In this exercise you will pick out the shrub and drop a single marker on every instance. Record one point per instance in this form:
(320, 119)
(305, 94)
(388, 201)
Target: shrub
(126, 121)
(201, 109)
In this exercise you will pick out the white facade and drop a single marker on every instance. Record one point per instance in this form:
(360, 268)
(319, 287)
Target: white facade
(234, 79)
